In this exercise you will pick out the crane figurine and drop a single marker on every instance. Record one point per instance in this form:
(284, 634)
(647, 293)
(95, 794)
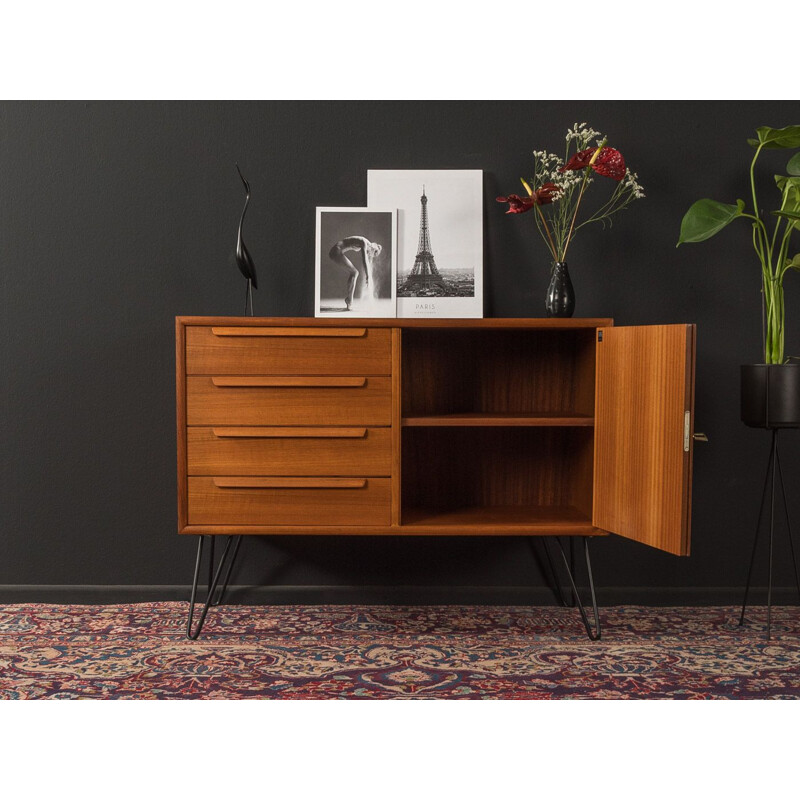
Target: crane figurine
(243, 258)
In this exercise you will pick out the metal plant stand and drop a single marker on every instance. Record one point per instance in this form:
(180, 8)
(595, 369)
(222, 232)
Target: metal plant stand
(773, 477)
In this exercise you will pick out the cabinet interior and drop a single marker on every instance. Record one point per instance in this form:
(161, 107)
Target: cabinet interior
(498, 372)
(512, 474)
(497, 426)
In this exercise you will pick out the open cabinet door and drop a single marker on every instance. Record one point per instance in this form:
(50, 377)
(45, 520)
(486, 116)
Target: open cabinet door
(644, 409)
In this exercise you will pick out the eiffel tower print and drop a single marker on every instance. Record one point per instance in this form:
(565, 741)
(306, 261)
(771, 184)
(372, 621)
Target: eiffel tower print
(424, 272)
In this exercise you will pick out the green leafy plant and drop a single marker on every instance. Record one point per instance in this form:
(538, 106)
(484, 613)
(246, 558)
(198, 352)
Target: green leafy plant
(705, 218)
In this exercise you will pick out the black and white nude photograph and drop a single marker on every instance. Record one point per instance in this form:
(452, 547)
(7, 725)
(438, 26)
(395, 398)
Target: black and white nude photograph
(355, 262)
(440, 239)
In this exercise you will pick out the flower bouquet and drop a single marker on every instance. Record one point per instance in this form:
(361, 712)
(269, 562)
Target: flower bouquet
(556, 190)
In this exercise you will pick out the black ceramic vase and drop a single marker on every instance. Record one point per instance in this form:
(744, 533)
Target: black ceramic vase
(560, 300)
(771, 395)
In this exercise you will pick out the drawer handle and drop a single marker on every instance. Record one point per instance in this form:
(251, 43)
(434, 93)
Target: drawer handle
(246, 382)
(290, 483)
(316, 332)
(290, 433)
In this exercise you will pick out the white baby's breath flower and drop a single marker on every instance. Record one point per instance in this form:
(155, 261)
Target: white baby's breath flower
(632, 184)
(566, 179)
(545, 164)
(582, 134)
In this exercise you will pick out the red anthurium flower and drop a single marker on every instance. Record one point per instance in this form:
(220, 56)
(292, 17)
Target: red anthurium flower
(544, 195)
(609, 162)
(519, 205)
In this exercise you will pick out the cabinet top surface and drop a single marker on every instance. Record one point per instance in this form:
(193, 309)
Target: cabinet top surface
(355, 322)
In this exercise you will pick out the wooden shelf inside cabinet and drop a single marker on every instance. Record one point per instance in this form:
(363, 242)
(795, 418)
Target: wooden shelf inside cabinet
(527, 520)
(509, 420)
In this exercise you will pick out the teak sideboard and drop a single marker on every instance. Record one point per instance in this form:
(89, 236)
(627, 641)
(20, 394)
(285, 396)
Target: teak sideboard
(556, 427)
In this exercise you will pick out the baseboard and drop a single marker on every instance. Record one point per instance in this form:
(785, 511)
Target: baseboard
(395, 595)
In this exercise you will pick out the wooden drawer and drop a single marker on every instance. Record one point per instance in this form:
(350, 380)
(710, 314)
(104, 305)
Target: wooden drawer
(289, 501)
(289, 451)
(264, 350)
(288, 400)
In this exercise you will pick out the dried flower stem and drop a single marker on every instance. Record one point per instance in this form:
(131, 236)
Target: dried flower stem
(586, 173)
(574, 217)
(547, 231)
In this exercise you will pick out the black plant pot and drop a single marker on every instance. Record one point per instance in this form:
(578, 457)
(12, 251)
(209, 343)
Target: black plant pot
(771, 395)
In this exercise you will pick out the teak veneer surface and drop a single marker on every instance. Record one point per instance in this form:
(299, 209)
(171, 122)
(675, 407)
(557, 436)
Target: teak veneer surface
(397, 432)
(316, 352)
(505, 519)
(492, 526)
(369, 403)
(289, 451)
(434, 427)
(525, 372)
(319, 502)
(253, 330)
(540, 467)
(488, 323)
(642, 469)
(497, 420)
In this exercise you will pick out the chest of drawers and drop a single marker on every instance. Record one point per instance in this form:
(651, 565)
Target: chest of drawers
(417, 427)
(496, 427)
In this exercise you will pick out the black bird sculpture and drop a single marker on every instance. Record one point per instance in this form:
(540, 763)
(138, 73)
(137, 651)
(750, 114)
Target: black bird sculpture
(243, 258)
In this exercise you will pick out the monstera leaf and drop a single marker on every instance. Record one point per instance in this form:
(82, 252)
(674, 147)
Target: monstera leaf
(790, 189)
(793, 167)
(705, 218)
(794, 183)
(794, 263)
(793, 215)
(771, 138)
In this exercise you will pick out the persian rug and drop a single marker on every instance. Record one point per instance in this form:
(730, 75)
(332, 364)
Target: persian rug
(139, 651)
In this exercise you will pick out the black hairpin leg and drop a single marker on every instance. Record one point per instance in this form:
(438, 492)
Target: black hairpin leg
(592, 632)
(224, 588)
(213, 581)
(770, 482)
(550, 575)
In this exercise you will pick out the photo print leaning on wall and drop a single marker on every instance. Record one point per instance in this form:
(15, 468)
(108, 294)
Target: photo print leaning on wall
(439, 240)
(355, 262)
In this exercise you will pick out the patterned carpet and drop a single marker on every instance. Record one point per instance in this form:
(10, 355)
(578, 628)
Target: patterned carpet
(139, 651)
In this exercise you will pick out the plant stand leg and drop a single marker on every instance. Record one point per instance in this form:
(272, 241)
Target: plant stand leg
(758, 525)
(773, 476)
(193, 633)
(771, 536)
(788, 525)
(593, 632)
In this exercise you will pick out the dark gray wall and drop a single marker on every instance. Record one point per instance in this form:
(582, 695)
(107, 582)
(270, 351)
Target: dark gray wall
(115, 217)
